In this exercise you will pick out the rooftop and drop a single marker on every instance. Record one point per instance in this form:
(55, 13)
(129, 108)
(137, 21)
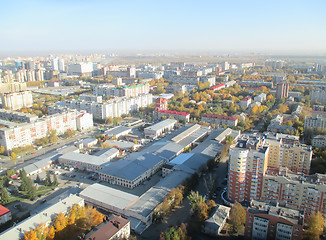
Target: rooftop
(3, 210)
(162, 124)
(85, 158)
(174, 112)
(108, 195)
(17, 231)
(260, 207)
(107, 229)
(220, 117)
(117, 131)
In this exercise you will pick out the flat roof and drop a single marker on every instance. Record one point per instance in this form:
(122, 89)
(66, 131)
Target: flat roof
(17, 231)
(160, 125)
(85, 158)
(108, 195)
(121, 144)
(117, 130)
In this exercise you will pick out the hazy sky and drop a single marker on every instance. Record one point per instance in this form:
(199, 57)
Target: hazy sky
(248, 26)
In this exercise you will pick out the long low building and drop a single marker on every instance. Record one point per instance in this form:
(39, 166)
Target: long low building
(83, 161)
(46, 216)
(159, 128)
(118, 131)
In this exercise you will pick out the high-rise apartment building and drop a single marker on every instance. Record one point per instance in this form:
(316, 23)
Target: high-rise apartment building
(304, 192)
(271, 221)
(282, 90)
(253, 155)
(16, 100)
(247, 166)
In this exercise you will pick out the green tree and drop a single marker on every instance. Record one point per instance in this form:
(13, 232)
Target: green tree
(48, 179)
(315, 228)
(38, 179)
(4, 196)
(31, 192)
(195, 200)
(55, 180)
(237, 216)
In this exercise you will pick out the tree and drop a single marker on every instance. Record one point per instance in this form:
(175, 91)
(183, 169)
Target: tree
(31, 192)
(48, 179)
(315, 224)
(51, 233)
(2, 149)
(60, 222)
(31, 235)
(13, 157)
(55, 180)
(195, 199)
(4, 196)
(237, 216)
(38, 179)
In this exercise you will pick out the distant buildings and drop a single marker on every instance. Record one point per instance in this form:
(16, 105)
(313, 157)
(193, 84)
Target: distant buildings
(271, 221)
(183, 116)
(315, 122)
(111, 108)
(245, 102)
(275, 64)
(16, 100)
(84, 121)
(318, 95)
(282, 90)
(217, 87)
(81, 69)
(260, 98)
(21, 134)
(318, 141)
(220, 120)
(122, 91)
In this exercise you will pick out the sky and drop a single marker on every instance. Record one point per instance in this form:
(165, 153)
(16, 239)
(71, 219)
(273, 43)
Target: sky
(287, 26)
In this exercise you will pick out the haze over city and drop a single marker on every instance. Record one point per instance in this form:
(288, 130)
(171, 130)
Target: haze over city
(271, 27)
(168, 120)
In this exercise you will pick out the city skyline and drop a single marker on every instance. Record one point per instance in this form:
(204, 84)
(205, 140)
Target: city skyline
(292, 27)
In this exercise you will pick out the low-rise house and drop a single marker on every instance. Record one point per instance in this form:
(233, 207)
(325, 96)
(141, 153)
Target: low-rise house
(220, 120)
(216, 222)
(176, 115)
(319, 141)
(117, 228)
(5, 215)
(118, 131)
(89, 142)
(245, 102)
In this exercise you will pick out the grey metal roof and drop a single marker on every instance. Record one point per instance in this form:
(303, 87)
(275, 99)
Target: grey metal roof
(79, 157)
(45, 216)
(117, 131)
(147, 202)
(120, 144)
(130, 170)
(216, 220)
(107, 152)
(160, 125)
(108, 195)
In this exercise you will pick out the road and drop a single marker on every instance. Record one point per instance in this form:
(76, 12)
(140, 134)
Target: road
(44, 152)
(182, 213)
